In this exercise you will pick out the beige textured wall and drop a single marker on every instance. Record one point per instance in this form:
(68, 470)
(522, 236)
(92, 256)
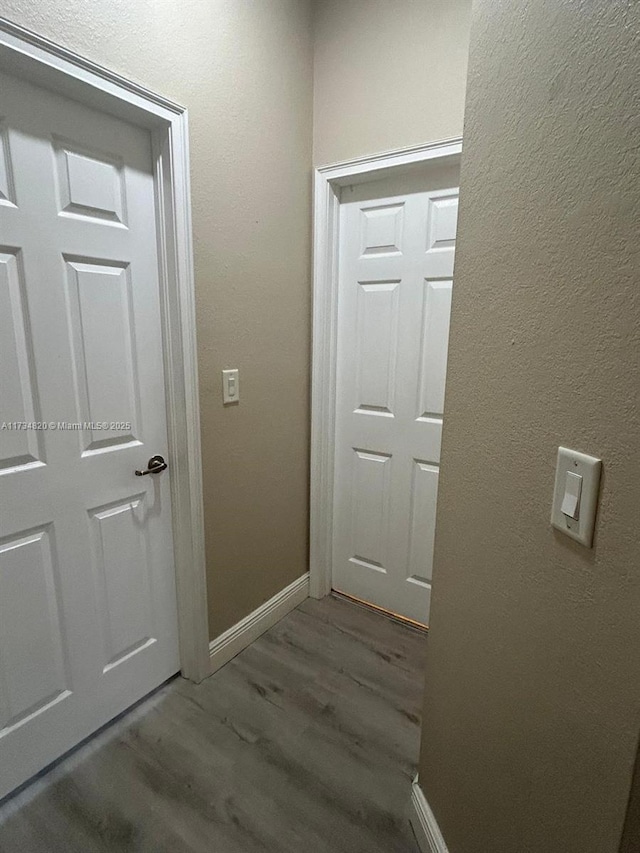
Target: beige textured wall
(244, 70)
(387, 74)
(533, 671)
(631, 835)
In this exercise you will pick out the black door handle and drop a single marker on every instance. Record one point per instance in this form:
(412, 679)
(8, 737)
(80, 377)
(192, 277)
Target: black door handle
(154, 466)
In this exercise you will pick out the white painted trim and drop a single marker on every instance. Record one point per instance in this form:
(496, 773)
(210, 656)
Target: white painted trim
(46, 62)
(424, 824)
(244, 632)
(31, 57)
(327, 183)
(345, 171)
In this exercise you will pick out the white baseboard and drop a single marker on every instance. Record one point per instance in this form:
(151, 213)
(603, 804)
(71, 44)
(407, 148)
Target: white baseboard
(424, 824)
(244, 632)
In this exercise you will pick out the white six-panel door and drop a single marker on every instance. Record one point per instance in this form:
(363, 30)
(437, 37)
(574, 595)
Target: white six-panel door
(397, 241)
(88, 619)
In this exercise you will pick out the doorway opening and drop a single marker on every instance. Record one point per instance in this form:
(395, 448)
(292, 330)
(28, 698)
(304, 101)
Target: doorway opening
(102, 573)
(385, 243)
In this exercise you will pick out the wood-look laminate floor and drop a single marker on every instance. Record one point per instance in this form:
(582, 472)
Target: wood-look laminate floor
(306, 742)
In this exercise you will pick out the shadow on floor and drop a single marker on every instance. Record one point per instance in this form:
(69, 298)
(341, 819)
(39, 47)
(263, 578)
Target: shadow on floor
(306, 742)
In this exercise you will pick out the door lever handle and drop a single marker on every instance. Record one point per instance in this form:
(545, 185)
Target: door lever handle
(154, 466)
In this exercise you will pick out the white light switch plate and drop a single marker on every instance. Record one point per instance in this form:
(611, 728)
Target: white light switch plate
(577, 494)
(230, 386)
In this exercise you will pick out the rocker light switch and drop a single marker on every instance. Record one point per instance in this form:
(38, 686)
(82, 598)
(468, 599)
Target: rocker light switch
(571, 500)
(575, 497)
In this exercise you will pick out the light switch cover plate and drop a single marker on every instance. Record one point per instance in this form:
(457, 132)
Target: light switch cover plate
(230, 386)
(589, 468)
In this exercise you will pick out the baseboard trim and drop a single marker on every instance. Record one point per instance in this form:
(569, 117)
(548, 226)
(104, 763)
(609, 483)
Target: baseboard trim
(424, 824)
(243, 633)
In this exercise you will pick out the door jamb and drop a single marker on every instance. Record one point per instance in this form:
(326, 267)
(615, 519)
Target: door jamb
(328, 181)
(40, 61)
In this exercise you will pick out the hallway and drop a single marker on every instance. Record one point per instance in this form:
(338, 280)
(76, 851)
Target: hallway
(306, 741)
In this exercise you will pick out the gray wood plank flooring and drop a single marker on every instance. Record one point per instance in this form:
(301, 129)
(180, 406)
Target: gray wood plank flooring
(306, 741)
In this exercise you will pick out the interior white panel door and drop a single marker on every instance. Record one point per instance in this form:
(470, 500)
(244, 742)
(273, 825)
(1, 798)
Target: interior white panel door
(397, 240)
(88, 621)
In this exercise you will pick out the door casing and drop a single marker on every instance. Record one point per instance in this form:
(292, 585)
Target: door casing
(328, 181)
(31, 57)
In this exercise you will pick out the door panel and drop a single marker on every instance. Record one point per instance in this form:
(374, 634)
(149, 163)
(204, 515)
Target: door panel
(442, 219)
(121, 566)
(381, 227)
(433, 357)
(88, 621)
(30, 628)
(394, 304)
(370, 502)
(7, 191)
(90, 184)
(377, 340)
(17, 391)
(99, 302)
(424, 492)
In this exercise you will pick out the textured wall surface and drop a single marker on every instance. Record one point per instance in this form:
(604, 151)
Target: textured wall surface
(243, 68)
(533, 672)
(631, 835)
(387, 74)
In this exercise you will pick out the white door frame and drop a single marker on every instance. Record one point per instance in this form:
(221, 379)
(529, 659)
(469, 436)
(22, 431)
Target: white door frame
(328, 181)
(36, 59)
